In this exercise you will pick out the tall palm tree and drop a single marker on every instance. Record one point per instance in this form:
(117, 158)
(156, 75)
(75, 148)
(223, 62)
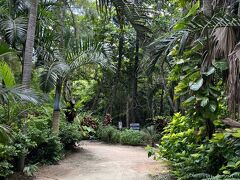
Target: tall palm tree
(28, 54)
(58, 72)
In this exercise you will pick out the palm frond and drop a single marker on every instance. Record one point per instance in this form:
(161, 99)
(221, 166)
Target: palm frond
(20, 93)
(95, 54)
(161, 46)
(225, 39)
(51, 73)
(136, 14)
(200, 23)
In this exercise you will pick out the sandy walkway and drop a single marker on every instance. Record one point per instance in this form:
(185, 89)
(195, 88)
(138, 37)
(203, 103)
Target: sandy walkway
(98, 161)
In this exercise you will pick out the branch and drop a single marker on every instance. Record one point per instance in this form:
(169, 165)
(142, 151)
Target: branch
(231, 123)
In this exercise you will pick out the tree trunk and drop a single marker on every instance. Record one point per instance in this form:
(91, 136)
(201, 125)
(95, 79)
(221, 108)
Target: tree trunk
(161, 103)
(117, 77)
(207, 7)
(56, 109)
(27, 64)
(208, 11)
(127, 114)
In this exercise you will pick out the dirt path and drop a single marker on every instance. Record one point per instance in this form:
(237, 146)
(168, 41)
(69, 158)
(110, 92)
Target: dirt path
(98, 161)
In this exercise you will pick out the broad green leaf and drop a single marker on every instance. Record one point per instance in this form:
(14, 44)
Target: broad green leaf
(221, 65)
(193, 10)
(197, 85)
(210, 71)
(204, 102)
(189, 99)
(6, 75)
(183, 23)
(212, 107)
(180, 61)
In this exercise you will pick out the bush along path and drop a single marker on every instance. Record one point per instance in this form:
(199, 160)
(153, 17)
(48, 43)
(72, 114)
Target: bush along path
(97, 161)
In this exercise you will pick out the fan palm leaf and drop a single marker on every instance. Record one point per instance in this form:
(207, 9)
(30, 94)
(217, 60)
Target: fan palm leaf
(14, 29)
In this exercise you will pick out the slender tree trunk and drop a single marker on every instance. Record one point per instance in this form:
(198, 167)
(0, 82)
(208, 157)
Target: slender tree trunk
(208, 11)
(97, 96)
(56, 109)
(150, 94)
(58, 89)
(127, 113)
(161, 103)
(28, 54)
(135, 81)
(117, 77)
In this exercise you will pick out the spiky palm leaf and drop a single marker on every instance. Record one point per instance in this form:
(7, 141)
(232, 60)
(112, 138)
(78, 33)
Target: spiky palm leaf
(21, 94)
(201, 23)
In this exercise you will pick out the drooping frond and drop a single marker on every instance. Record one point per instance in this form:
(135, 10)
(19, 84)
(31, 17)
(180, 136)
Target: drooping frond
(20, 93)
(161, 46)
(225, 39)
(51, 73)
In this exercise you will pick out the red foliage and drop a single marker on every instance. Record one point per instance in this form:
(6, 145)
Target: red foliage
(107, 120)
(90, 122)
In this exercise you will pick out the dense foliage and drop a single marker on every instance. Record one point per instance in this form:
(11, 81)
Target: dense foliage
(74, 70)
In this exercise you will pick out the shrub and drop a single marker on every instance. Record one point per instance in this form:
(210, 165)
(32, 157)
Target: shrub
(48, 149)
(193, 156)
(108, 134)
(7, 153)
(69, 134)
(132, 137)
(151, 135)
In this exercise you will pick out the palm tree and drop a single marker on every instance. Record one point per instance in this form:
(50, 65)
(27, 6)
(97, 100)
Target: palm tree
(28, 54)
(58, 72)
